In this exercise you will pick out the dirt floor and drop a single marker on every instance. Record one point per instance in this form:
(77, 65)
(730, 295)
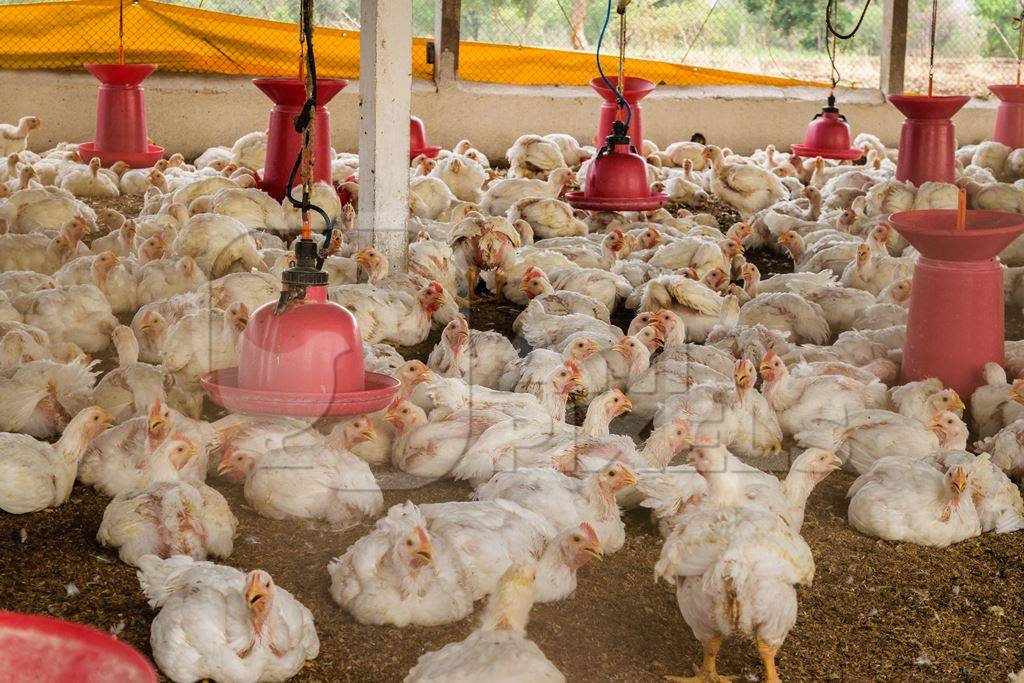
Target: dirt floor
(877, 611)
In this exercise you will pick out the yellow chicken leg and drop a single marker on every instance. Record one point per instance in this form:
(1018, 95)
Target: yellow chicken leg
(708, 672)
(768, 657)
(472, 275)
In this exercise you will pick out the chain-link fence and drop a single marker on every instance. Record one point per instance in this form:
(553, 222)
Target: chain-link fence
(674, 41)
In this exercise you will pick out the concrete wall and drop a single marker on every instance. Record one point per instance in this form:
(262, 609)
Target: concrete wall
(190, 113)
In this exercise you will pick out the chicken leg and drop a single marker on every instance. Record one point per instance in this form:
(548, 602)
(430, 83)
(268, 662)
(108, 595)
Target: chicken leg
(472, 277)
(708, 672)
(768, 657)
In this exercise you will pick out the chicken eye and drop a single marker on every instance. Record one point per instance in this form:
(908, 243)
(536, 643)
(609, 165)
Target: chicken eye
(409, 542)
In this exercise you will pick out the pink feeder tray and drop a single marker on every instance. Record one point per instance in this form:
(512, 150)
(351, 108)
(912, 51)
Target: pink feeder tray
(828, 136)
(121, 133)
(956, 320)
(284, 142)
(305, 361)
(617, 179)
(418, 140)
(1010, 115)
(635, 90)
(36, 648)
(928, 138)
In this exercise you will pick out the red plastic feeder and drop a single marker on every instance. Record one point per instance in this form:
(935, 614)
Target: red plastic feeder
(636, 89)
(956, 306)
(828, 136)
(304, 358)
(1009, 115)
(418, 140)
(928, 138)
(617, 179)
(121, 133)
(284, 142)
(36, 648)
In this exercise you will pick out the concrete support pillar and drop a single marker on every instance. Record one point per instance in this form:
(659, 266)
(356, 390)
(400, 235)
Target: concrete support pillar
(894, 46)
(447, 27)
(385, 83)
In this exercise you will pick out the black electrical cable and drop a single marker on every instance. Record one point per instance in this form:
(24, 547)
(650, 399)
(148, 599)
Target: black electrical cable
(303, 124)
(832, 28)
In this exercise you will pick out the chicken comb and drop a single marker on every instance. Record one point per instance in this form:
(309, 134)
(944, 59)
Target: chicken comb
(588, 531)
(768, 356)
(571, 364)
(180, 437)
(422, 534)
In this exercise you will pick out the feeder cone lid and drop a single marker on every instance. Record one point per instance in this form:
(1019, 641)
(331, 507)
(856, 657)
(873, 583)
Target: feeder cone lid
(636, 88)
(933, 233)
(120, 74)
(1008, 93)
(291, 92)
(40, 648)
(923, 107)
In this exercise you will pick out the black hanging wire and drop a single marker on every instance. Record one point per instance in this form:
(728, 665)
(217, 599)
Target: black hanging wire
(834, 35)
(304, 123)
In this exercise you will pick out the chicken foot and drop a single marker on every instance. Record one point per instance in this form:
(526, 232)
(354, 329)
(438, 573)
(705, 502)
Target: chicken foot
(768, 657)
(708, 672)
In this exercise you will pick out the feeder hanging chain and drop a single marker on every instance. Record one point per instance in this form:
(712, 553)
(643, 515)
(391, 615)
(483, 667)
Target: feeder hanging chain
(304, 124)
(617, 89)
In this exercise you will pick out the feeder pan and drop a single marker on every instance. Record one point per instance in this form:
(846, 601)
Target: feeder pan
(1009, 115)
(418, 140)
(828, 136)
(635, 90)
(617, 179)
(284, 142)
(36, 648)
(928, 138)
(301, 356)
(956, 321)
(121, 133)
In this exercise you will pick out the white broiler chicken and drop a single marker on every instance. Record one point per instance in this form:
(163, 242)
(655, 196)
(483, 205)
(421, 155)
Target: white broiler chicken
(219, 624)
(997, 499)
(89, 182)
(566, 502)
(552, 331)
(108, 274)
(79, 314)
(865, 436)
(389, 315)
(465, 177)
(42, 396)
(695, 303)
(746, 188)
(799, 402)
(996, 403)
(219, 244)
(129, 389)
(15, 138)
(250, 150)
(169, 516)
(805, 321)
(483, 244)
(35, 475)
(903, 499)
(322, 482)
(922, 399)
(393, 575)
(477, 357)
(548, 217)
(1006, 449)
(39, 252)
(536, 285)
(166, 277)
(501, 195)
(532, 156)
(202, 342)
(498, 651)
(735, 566)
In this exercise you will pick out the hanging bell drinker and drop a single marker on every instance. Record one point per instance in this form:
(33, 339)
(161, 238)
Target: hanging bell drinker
(617, 178)
(828, 136)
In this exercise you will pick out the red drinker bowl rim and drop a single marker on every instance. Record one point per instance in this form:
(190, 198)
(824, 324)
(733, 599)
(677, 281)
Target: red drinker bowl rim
(851, 154)
(226, 380)
(943, 222)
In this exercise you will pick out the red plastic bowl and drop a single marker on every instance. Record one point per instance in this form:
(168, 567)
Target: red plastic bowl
(36, 648)
(617, 181)
(222, 386)
(933, 233)
(418, 140)
(153, 154)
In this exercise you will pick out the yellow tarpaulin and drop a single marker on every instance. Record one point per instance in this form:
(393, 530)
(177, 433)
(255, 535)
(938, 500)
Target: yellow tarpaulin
(65, 35)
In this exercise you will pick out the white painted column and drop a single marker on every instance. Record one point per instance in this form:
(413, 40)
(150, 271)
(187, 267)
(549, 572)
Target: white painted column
(385, 84)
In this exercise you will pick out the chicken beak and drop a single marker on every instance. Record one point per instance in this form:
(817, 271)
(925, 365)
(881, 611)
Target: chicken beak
(628, 479)
(1015, 393)
(627, 405)
(935, 426)
(224, 467)
(424, 552)
(958, 403)
(959, 481)
(835, 462)
(595, 550)
(422, 377)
